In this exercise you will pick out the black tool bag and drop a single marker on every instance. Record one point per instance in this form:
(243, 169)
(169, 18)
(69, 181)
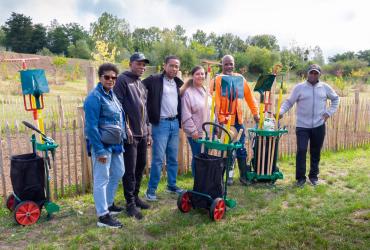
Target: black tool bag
(208, 179)
(27, 174)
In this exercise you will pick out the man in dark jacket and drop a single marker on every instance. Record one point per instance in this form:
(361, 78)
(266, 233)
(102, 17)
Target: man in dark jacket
(132, 94)
(164, 111)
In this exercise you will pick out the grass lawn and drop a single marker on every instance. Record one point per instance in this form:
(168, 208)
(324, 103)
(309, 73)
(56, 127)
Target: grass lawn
(333, 215)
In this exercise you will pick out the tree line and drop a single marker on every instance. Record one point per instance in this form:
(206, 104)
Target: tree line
(110, 38)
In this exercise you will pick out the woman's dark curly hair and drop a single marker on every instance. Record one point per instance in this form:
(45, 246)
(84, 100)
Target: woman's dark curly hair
(107, 67)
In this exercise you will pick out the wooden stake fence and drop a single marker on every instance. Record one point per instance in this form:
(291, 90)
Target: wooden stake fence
(72, 171)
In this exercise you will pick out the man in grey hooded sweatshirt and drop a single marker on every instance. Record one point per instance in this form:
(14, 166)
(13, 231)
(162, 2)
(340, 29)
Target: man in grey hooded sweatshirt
(312, 112)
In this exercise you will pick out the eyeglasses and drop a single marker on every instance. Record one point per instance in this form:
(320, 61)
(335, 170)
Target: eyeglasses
(107, 77)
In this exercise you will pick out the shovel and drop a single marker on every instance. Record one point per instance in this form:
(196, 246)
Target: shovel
(264, 83)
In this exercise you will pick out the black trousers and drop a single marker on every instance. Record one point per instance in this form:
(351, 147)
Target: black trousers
(316, 138)
(135, 161)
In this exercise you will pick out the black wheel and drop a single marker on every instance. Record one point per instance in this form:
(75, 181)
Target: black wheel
(217, 209)
(10, 201)
(27, 213)
(184, 202)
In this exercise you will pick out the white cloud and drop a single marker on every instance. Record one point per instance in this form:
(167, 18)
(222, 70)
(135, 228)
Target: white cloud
(334, 25)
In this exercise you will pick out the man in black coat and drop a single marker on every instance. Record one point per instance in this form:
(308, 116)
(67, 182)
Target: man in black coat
(164, 112)
(133, 95)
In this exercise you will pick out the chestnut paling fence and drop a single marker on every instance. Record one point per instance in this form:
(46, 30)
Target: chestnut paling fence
(71, 172)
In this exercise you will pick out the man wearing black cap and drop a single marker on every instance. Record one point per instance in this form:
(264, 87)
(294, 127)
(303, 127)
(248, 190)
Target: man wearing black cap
(312, 113)
(132, 94)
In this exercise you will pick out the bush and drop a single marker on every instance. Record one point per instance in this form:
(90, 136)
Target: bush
(340, 86)
(79, 50)
(44, 52)
(345, 67)
(258, 60)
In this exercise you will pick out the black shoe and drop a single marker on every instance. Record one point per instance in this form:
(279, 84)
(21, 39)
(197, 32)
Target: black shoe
(300, 183)
(113, 210)
(108, 221)
(141, 204)
(314, 182)
(132, 211)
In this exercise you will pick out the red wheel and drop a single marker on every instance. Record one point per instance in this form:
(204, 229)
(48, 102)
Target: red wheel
(10, 201)
(184, 202)
(217, 209)
(27, 213)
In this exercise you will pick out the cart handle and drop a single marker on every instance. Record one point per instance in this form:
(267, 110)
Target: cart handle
(29, 125)
(44, 137)
(215, 125)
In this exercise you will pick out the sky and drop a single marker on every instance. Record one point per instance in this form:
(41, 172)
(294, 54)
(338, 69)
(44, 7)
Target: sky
(336, 26)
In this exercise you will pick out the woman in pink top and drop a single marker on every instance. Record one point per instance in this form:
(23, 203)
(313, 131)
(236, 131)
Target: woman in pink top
(194, 111)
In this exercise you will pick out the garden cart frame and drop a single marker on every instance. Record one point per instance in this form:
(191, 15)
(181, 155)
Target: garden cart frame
(27, 211)
(265, 141)
(210, 178)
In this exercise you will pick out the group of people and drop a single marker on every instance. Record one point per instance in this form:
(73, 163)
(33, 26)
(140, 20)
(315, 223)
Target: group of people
(124, 115)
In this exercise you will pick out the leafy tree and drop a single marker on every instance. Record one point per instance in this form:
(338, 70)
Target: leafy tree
(226, 44)
(103, 53)
(200, 37)
(79, 50)
(39, 39)
(289, 60)
(258, 60)
(113, 31)
(202, 51)
(76, 32)
(345, 67)
(180, 33)
(318, 56)
(58, 40)
(44, 52)
(169, 45)
(188, 60)
(364, 55)
(59, 62)
(349, 55)
(18, 33)
(2, 37)
(264, 41)
(143, 39)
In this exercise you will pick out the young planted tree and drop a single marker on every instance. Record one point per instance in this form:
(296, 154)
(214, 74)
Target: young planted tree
(59, 62)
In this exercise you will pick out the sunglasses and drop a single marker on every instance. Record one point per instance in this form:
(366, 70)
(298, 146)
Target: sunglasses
(107, 78)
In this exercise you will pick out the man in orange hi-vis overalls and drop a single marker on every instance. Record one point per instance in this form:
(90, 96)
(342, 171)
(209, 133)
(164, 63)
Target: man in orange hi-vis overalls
(230, 89)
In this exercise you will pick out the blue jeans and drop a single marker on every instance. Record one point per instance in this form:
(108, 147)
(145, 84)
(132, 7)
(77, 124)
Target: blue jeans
(195, 150)
(106, 178)
(165, 143)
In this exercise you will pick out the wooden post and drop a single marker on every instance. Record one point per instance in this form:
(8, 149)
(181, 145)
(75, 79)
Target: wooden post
(18, 139)
(55, 176)
(87, 160)
(357, 103)
(60, 111)
(61, 145)
(75, 154)
(2, 173)
(8, 139)
(68, 155)
(83, 161)
(90, 78)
